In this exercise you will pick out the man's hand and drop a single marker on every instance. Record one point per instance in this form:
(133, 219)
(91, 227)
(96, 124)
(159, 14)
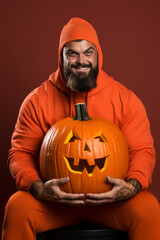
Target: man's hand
(51, 191)
(121, 191)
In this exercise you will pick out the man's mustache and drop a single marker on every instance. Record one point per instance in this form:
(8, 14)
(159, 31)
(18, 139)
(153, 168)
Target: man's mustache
(77, 65)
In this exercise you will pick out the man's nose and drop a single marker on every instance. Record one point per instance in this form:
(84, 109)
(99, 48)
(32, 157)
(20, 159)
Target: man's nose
(80, 59)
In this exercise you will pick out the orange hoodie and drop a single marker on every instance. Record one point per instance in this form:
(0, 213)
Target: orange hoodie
(53, 101)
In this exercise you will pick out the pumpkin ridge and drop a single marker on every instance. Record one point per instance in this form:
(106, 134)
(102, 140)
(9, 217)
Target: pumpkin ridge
(70, 182)
(112, 143)
(50, 157)
(67, 126)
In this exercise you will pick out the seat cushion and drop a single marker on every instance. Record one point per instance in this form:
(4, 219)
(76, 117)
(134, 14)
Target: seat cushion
(83, 231)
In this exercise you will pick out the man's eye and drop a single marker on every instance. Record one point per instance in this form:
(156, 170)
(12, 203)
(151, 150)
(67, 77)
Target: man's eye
(89, 53)
(71, 54)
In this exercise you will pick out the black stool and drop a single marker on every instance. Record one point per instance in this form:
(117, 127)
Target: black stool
(83, 231)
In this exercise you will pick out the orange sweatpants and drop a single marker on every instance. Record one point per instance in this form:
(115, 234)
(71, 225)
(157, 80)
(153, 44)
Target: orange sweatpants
(25, 216)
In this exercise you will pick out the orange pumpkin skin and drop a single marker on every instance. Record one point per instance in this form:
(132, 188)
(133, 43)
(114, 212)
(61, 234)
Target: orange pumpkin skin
(86, 152)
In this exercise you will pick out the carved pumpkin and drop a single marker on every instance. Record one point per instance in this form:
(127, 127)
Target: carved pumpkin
(86, 150)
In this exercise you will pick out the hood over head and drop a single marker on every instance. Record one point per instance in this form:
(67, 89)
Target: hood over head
(75, 29)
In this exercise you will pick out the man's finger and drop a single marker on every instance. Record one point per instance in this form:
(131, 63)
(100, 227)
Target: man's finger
(99, 202)
(114, 181)
(96, 196)
(72, 202)
(72, 196)
(100, 196)
(61, 181)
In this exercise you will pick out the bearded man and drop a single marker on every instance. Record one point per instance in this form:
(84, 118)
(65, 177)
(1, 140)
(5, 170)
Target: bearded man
(39, 206)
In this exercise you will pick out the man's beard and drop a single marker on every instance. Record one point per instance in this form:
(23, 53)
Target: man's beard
(80, 81)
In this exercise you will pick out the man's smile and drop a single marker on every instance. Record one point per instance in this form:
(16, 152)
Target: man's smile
(81, 67)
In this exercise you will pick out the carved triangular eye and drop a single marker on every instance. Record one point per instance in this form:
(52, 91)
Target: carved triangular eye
(71, 137)
(99, 138)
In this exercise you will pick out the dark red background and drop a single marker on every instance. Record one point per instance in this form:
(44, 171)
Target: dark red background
(129, 35)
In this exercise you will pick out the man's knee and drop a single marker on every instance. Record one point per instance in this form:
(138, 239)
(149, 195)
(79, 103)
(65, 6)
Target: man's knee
(19, 204)
(145, 208)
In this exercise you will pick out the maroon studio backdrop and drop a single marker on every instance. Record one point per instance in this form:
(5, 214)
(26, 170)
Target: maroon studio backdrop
(129, 36)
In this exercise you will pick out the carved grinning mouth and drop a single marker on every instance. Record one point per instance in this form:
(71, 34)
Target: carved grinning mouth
(83, 163)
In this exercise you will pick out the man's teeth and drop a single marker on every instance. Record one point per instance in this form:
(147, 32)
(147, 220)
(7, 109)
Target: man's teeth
(83, 68)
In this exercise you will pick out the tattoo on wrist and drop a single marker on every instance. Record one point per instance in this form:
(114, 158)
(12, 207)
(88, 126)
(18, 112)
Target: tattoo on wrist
(36, 187)
(136, 184)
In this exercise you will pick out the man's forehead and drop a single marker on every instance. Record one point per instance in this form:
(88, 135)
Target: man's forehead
(80, 42)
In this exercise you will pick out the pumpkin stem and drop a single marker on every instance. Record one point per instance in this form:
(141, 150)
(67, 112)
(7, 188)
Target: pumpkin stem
(81, 112)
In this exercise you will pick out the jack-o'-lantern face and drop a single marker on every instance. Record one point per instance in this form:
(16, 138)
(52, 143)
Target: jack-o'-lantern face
(90, 152)
(85, 150)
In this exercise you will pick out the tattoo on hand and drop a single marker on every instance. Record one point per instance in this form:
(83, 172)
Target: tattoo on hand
(48, 192)
(126, 193)
(123, 193)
